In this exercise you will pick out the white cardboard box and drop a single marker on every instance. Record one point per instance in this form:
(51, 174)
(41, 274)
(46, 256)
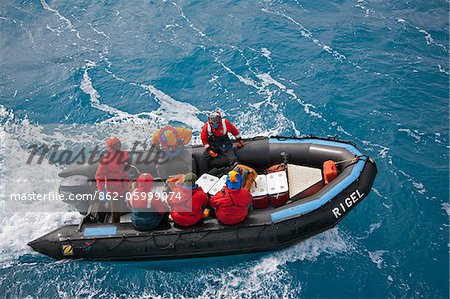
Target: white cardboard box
(218, 186)
(207, 181)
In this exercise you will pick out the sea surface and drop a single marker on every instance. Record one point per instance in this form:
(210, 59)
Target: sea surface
(374, 72)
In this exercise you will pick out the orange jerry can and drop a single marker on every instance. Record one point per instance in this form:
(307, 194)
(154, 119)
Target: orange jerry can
(329, 171)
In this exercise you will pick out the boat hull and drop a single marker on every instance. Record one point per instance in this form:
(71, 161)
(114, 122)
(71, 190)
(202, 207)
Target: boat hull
(263, 230)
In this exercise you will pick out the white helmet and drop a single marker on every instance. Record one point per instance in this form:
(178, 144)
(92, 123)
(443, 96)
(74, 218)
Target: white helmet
(215, 118)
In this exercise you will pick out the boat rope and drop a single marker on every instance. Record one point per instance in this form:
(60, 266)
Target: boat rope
(86, 245)
(259, 235)
(151, 237)
(170, 245)
(120, 242)
(195, 241)
(237, 239)
(138, 241)
(128, 238)
(352, 160)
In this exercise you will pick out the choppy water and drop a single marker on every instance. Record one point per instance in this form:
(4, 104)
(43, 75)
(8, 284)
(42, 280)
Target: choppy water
(375, 72)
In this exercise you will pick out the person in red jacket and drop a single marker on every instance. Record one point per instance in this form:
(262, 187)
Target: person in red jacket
(216, 141)
(233, 202)
(111, 175)
(147, 209)
(187, 202)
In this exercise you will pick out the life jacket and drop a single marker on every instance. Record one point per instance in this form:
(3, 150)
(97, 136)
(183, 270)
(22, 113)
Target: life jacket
(115, 163)
(222, 142)
(169, 150)
(142, 201)
(111, 171)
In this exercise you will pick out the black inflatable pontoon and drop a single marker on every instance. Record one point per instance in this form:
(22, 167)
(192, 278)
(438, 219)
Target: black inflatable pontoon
(263, 230)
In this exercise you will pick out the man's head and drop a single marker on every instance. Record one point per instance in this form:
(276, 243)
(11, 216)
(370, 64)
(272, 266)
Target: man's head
(145, 180)
(190, 179)
(234, 180)
(214, 119)
(113, 143)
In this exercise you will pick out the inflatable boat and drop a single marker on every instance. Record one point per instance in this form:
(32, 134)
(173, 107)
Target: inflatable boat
(307, 211)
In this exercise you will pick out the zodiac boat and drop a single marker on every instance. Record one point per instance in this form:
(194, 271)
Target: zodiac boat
(309, 210)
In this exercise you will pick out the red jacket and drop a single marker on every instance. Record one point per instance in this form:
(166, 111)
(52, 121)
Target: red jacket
(187, 205)
(143, 199)
(224, 128)
(110, 171)
(231, 205)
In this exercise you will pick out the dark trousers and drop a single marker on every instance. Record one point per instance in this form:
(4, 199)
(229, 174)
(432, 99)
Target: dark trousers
(146, 221)
(229, 155)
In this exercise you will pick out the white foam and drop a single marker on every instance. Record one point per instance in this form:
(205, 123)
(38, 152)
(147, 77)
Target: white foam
(18, 228)
(171, 109)
(341, 129)
(246, 81)
(443, 70)
(255, 125)
(446, 207)
(377, 257)
(267, 80)
(374, 226)
(18, 225)
(99, 32)
(412, 133)
(266, 53)
(362, 5)
(263, 88)
(69, 24)
(375, 190)
(308, 34)
(268, 277)
(191, 25)
(88, 88)
(383, 151)
(428, 37)
(417, 185)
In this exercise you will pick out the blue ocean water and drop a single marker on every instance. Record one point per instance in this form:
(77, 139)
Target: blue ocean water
(374, 72)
